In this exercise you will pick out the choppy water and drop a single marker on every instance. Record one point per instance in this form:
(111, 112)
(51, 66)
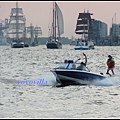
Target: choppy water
(96, 100)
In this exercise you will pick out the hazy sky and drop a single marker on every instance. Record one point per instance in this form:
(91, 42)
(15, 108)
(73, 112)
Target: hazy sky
(38, 13)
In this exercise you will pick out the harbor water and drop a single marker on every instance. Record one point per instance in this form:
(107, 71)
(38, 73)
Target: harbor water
(41, 99)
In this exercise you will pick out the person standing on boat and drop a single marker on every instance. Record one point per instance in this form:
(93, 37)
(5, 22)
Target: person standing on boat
(110, 64)
(83, 64)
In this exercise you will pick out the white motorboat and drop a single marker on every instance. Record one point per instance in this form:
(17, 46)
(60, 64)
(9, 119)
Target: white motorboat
(76, 77)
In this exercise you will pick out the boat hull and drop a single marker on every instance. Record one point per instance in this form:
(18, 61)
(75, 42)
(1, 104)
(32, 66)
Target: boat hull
(17, 45)
(54, 45)
(81, 48)
(84, 47)
(75, 77)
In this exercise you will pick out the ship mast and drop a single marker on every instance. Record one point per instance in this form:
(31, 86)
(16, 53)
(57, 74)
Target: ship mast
(54, 22)
(17, 21)
(55, 19)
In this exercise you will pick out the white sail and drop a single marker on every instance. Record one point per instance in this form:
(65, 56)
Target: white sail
(20, 26)
(60, 19)
(19, 18)
(19, 10)
(38, 31)
(17, 22)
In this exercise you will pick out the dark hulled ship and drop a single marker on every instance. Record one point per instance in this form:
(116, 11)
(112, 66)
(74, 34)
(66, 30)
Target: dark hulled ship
(84, 29)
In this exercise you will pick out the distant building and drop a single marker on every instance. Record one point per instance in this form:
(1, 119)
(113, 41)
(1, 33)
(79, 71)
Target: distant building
(3, 31)
(115, 34)
(115, 29)
(99, 31)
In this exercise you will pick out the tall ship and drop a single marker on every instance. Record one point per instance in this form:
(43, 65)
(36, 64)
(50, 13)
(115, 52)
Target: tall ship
(57, 28)
(38, 33)
(3, 32)
(17, 29)
(35, 33)
(84, 29)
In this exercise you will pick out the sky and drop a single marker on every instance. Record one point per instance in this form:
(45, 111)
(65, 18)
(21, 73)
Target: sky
(38, 13)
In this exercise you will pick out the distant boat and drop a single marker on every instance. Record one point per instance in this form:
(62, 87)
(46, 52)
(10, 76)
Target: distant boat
(17, 27)
(54, 41)
(73, 41)
(84, 28)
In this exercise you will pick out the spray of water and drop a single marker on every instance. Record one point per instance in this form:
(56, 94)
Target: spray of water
(50, 78)
(109, 81)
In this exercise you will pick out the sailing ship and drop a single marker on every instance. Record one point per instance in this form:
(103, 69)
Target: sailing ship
(57, 30)
(84, 29)
(38, 32)
(17, 27)
(31, 31)
(35, 32)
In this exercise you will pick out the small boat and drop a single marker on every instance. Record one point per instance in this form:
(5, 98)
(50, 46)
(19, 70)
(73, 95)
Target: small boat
(54, 44)
(15, 44)
(54, 41)
(75, 77)
(84, 45)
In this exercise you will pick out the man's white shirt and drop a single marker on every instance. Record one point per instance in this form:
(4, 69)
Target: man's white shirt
(70, 65)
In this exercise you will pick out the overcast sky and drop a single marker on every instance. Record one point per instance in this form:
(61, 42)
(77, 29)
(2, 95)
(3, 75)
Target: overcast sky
(38, 13)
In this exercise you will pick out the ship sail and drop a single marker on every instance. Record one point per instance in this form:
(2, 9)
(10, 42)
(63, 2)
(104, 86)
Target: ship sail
(20, 26)
(57, 23)
(17, 24)
(84, 23)
(60, 19)
(19, 18)
(16, 9)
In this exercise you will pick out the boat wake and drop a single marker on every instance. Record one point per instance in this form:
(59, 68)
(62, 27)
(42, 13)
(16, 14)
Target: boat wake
(110, 81)
(51, 80)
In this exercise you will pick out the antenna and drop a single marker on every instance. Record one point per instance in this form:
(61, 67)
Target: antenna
(17, 4)
(84, 10)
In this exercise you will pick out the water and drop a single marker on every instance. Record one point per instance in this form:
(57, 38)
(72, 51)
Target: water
(98, 99)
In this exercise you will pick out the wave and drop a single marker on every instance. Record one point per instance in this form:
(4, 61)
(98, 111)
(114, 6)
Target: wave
(110, 81)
